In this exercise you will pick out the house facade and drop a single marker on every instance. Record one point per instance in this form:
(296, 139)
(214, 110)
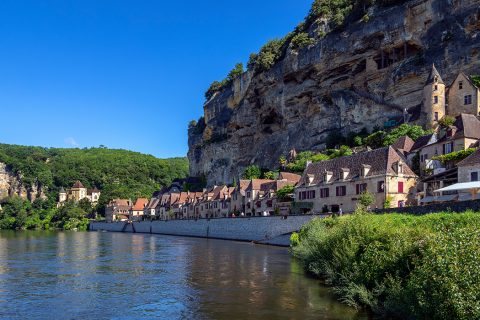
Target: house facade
(118, 210)
(329, 186)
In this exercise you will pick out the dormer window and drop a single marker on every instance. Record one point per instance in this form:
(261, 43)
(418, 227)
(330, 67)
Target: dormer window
(310, 178)
(365, 169)
(327, 176)
(344, 173)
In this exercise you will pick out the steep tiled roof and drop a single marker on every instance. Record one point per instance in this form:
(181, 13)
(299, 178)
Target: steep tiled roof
(404, 143)
(77, 185)
(292, 177)
(381, 162)
(434, 73)
(256, 184)
(140, 204)
(422, 142)
(469, 124)
(471, 160)
(153, 203)
(124, 203)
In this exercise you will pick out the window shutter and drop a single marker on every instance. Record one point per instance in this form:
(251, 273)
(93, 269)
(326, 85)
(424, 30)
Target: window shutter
(400, 187)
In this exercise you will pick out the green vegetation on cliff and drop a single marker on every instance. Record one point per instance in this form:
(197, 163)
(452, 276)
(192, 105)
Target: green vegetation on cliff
(422, 267)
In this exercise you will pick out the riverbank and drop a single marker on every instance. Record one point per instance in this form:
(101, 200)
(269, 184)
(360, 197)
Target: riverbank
(423, 267)
(273, 230)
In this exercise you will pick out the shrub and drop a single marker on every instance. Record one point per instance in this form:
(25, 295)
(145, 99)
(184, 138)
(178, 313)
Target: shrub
(454, 157)
(302, 40)
(284, 192)
(423, 267)
(476, 80)
(412, 131)
(366, 199)
(446, 121)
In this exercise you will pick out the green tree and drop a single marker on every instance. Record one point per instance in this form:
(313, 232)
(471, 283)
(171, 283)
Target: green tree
(412, 131)
(272, 175)
(284, 192)
(446, 121)
(235, 72)
(375, 140)
(302, 40)
(252, 172)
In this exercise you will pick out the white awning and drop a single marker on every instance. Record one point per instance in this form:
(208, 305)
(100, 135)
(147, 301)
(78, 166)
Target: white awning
(428, 199)
(461, 186)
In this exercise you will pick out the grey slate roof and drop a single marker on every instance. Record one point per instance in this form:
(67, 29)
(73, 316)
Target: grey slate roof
(381, 162)
(471, 160)
(434, 73)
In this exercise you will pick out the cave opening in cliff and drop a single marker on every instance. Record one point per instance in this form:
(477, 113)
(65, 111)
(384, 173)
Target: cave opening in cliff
(389, 56)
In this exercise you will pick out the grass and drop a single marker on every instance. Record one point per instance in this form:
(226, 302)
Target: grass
(422, 267)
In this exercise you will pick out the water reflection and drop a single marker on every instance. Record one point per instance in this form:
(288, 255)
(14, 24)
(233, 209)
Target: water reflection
(123, 276)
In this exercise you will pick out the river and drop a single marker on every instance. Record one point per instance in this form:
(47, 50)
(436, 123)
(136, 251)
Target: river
(99, 275)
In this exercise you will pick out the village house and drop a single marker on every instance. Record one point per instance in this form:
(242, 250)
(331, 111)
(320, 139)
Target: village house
(118, 210)
(136, 212)
(150, 210)
(252, 194)
(78, 192)
(238, 197)
(463, 134)
(463, 96)
(267, 204)
(338, 183)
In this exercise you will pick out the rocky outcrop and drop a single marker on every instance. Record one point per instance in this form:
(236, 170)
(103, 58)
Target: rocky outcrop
(12, 184)
(358, 77)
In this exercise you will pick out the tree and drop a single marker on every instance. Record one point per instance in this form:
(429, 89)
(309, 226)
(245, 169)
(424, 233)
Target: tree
(375, 140)
(302, 40)
(412, 131)
(252, 172)
(272, 175)
(284, 192)
(340, 152)
(235, 72)
(365, 200)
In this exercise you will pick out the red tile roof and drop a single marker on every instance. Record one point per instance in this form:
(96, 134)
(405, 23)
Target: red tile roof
(292, 177)
(77, 185)
(140, 204)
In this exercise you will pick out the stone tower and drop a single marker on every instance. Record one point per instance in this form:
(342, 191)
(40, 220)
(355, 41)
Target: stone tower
(434, 98)
(62, 195)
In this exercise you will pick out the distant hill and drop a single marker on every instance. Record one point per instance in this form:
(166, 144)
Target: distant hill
(35, 171)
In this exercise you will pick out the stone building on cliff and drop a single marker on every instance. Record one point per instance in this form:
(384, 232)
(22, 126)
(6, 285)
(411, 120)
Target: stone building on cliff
(78, 192)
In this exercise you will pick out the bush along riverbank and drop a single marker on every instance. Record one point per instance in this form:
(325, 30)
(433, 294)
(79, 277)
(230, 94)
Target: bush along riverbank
(401, 266)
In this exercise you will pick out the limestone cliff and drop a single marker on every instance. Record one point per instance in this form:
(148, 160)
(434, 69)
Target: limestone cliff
(361, 75)
(12, 184)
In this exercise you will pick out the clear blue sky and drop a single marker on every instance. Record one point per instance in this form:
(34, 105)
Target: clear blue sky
(123, 73)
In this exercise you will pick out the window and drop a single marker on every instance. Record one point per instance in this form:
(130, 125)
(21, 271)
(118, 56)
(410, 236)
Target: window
(248, 194)
(400, 187)
(324, 193)
(460, 85)
(435, 99)
(361, 188)
(435, 88)
(474, 176)
(448, 148)
(467, 99)
(341, 191)
(307, 195)
(380, 186)
(436, 116)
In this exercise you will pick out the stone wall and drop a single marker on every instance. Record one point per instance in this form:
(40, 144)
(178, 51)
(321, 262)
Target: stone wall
(267, 230)
(452, 206)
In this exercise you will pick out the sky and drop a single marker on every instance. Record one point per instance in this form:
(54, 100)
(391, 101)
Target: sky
(122, 73)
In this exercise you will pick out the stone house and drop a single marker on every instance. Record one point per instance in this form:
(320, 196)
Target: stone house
(238, 197)
(463, 96)
(136, 212)
(463, 134)
(267, 203)
(253, 193)
(150, 211)
(338, 183)
(118, 210)
(469, 168)
(78, 192)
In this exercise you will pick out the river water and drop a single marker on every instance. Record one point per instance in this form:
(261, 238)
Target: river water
(90, 275)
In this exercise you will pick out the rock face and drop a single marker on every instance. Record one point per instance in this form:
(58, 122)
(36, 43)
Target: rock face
(358, 77)
(11, 184)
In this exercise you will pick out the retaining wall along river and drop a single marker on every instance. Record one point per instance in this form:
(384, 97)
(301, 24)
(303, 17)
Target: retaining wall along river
(268, 230)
